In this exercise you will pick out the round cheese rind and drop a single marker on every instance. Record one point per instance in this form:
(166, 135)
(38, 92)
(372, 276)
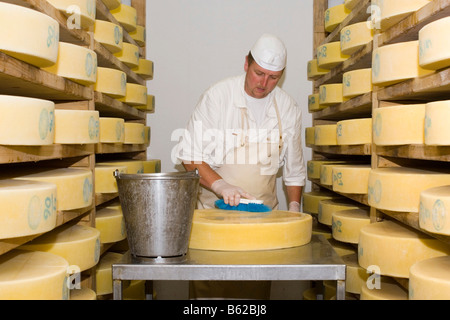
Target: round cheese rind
(354, 131)
(434, 210)
(346, 224)
(83, 294)
(136, 95)
(356, 276)
(111, 224)
(331, 94)
(351, 4)
(105, 182)
(437, 130)
(394, 248)
(112, 130)
(133, 166)
(309, 136)
(356, 82)
(129, 55)
(314, 170)
(388, 290)
(111, 82)
(28, 35)
(77, 126)
(134, 133)
(144, 69)
(103, 272)
(223, 230)
(351, 178)
(109, 34)
(28, 275)
(329, 55)
(313, 103)
(152, 166)
(334, 16)
(430, 279)
(433, 46)
(327, 207)
(138, 35)
(325, 135)
(313, 71)
(311, 200)
(80, 13)
(26, 121)
(356, 36)
(112, 4)
(126, 15)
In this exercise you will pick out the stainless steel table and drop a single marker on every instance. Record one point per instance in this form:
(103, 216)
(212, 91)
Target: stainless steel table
(316, 260)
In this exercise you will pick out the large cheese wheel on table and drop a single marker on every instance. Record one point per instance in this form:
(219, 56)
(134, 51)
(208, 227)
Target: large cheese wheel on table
(430, 279)
(434, 210)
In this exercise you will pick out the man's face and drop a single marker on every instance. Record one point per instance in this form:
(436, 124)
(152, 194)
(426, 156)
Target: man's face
(259, 82)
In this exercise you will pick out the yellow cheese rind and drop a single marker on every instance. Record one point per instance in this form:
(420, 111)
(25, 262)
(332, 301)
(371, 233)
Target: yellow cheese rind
(78, 244)
(313, 71)
(397, 125)
(313, 103)
(112, 4)
(310, 200)
(152, 166)
(144, 69)
(346, 224)
(77, 126)
(111, 224)
(36, 45)
(126, 15)
(105, 182)
(329, 55)
(356, 82)
(329, 206)
(334, 16)
(26, 121)
(433, 46)
(147, 134)
(331, 94)
(309, 136)
(30, 208)
(314, 167)
(136, 95)
(354, 131)
(430, 279)
(27, 275)
(128, 55)
(133, 166)
(351, 4)
(111, 82)
(325, 135)
(342, 248)
(351, 178)
(437, 130)
(109, 34)
(134, 133)
(434, 210)
(215, 229)
(149, 107)
(388, 290)
(112, 130)
(355, 276)
(399, 188)
(103, 272)
(80, 13)
(394, 248)
(356, 36)
(138, 35)
(83, 294)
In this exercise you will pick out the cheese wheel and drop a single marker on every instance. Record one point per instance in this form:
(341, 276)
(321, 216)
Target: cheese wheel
(27, 275)
(134, 133)
(79, 245)
(356, 36)
(77, 126)
(434, 210)
(136, 95)
(144, 69)
(83, 294)
(430, 279)
(103, 272)
(112, 130)
(28, 35)
(331, 94)
(309, 136)
(76, 63)
(214, 229)
(129, 55)
(399, 188)
(147, 135)
(152, 166)
(135, 291)
(109, 34)
(126, 15)
(111, 224)
(327, 207)
(313, 103)
(394, 248)
(74, 186)
(112, 4)
(346, 224)
(111, 82)
(326, 171)
(433, 46)
(388, 290)
(314, 167)
(313, 70)
(354, 131)
(437, 130)
(133, 166)
(80, 13)
(396, 62)
(311, 200)
(342, 248)
(105, 182)
(356, 82)
(397, 125)
(334, 16)
(325, 135)
(30, 208)
(351, 178)
(351, 4)
(26, 121)
(138, 35)
(355, 276)
(329, 55)
(149, 107)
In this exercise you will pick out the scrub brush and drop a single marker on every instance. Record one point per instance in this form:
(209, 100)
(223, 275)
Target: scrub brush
(244, 205)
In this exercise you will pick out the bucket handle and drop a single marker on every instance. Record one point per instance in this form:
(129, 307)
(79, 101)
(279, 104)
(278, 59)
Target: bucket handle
(117, 173)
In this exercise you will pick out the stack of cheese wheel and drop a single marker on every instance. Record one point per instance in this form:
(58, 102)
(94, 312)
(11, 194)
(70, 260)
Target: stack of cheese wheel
(112, 4)
(77, 126)
(396, 62)
(399, 124)
(30, 208)
(80, 13)
(437, 130)
(136, 95)
(28, 35)
(105, 182)
(83, 294)
(149, 106)
(346, 224)
(111, 224)
(434, 214)
(356, 276)
(355, 36)
(152, 166)
(138, 35)
(103, 272)
(79, 245)
(399, 188)
(331, 94)
(309, 136)
(354, 131)
(111, 82)
(311, 200)
(144, 69)
(433, 47)
(26, 121)
(356, 82)
(314, 167)
(329, 55)
(314, 72)
(126, 15)
(334, 16)
(313, 103)
(112, 130)
(109, 34)
(28, 275)
(325, 135)
(129, 55)
(134, 133)
(223, 230)
(383, 288)
(76, 63)
(327, 207)
(351, 178)
(74, 187)
(133, 166)
(394, 248)
(430, 279)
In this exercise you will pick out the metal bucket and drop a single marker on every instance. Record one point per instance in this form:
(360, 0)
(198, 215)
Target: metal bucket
(158, 209)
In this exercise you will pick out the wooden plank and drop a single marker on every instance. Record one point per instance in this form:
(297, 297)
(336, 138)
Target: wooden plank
(357, 107)
(109, 107)
(361, 149)
(415, 151)
(319, 33)
(360, 198)
(102, 148)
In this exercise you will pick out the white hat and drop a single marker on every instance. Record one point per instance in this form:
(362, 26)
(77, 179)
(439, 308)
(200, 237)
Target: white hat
(269, 52)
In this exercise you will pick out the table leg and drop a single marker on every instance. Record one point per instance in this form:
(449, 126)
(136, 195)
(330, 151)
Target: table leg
(117, 289)
(340, 291)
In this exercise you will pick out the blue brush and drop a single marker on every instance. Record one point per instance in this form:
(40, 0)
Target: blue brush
(244, 205)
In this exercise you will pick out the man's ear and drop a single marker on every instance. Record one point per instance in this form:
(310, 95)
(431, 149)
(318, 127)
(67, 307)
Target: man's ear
(246, 64)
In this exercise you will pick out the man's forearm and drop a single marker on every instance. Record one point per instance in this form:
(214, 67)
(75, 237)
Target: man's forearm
(294, 193)
(207, 174)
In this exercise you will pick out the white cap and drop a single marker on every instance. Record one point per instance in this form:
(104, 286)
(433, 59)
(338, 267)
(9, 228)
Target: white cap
(269, 52)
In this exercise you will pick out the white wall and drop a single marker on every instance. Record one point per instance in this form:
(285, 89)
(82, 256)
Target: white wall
(195, 43)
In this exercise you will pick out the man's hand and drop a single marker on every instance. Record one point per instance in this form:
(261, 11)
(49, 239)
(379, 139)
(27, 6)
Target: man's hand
(294, 206)
(231, 194)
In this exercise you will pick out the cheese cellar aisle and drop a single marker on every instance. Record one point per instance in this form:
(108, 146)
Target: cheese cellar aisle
(73, 104)
(380, 139)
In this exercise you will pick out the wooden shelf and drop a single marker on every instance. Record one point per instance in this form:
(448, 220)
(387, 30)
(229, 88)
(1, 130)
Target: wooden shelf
(357, 107)
(360, 198)
(102, 148)
(356, 150)
(415, 151)
(110, 107)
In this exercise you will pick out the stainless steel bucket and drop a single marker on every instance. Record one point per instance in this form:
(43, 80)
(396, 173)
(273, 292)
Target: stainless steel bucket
(158, 209)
